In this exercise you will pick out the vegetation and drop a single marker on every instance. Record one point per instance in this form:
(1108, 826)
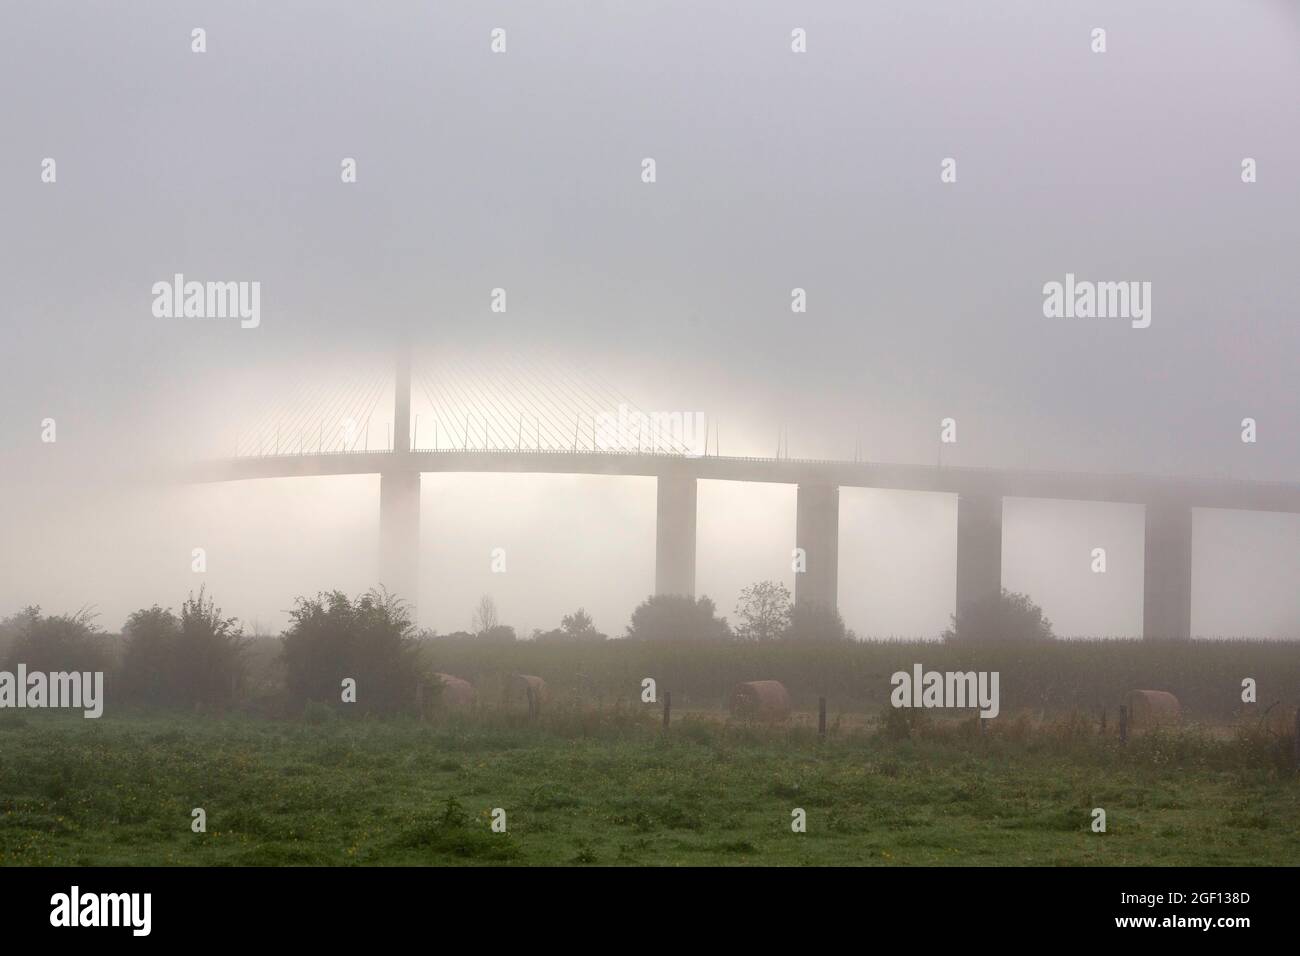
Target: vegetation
(595, 778)
(368, 640)
(55, 643)
(577, 627)
(763, 611)
(581, 787)
(1008, 616)
(150, 657)
(487, 627)
(811, 621)
(208, 662)
(199, 657)
(1045, 678)
(766, 613)
(485, 615)
(678, 617)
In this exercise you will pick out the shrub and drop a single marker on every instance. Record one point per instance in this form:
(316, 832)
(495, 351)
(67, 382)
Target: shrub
(575, 628)
(497, 634)
(56, 643)
(208, 662)
(764, 611)
(579, 626)
(812, 621)
(368, 639)
(151, 658)
(1007, 617)
(677, 617)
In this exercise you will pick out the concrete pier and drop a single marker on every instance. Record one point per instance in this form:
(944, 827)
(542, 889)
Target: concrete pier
(399, 533)
(979, 549)
(675, 535)
(817, 532)
(1167, 573)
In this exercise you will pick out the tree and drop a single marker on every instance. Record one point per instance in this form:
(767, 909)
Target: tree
(814, 621)
(14, 626)
(677, 617)
(209, 653)
(575, 628)
(763, 611)
(369, 639)
(485, 615)
(384, 651)
(579, 626)
(497, 634)
(1001, 617)
(62, 642)
(150, 659)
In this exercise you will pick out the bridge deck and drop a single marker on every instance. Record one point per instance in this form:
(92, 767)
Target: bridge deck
(1079, 486)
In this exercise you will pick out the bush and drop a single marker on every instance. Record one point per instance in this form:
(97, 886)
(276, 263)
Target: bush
(677, 617)
(1007, 617)
(497, 634)
(812, 621)
(575, 628)
(368, 639)
(149, 663)
(764, 611)
(56, 643)
(208, 662)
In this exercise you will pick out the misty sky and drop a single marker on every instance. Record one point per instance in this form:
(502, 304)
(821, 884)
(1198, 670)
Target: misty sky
(775, 170)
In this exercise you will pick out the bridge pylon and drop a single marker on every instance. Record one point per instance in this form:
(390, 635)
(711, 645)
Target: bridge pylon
(817, 534)
(979, 551)
(402, 399)
(399, 495)
(1167, 573)
(675, 535)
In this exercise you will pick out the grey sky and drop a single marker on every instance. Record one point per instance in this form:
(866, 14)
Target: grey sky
(775, 170)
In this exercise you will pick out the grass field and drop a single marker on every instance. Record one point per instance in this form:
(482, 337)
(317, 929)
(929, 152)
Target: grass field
(611, 788)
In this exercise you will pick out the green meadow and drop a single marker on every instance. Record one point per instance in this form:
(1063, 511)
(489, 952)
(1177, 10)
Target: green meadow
(588, 786)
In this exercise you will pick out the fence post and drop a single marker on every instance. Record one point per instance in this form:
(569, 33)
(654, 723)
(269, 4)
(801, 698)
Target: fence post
(1123, 724)
(1297, 738)
(1103, 722)
(419, 699)
(532, 703)
(821, 717)
(668, 707)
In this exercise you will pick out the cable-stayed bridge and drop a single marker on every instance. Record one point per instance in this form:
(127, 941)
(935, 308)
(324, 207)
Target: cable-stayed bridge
(533, 415)
(461, 403)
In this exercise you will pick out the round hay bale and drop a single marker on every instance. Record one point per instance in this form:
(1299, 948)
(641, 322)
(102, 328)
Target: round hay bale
(456, 694)
(760, 700)
(1152, 708)
(517, 685)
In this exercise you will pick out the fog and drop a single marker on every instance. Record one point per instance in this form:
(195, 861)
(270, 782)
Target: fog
(774, 171)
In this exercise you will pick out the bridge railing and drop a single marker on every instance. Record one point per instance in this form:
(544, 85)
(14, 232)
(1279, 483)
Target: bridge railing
(768, 460)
